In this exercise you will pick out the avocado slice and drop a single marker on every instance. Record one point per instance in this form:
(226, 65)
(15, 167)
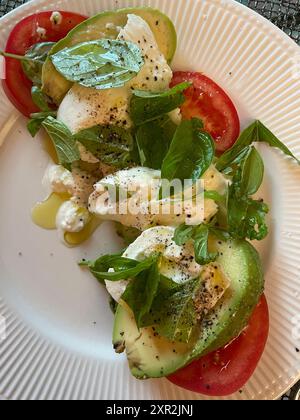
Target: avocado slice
(151, 356)
(56, 86)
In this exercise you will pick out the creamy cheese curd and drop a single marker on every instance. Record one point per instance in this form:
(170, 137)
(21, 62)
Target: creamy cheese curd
(86, 107)
(73, 215)
(139, 213)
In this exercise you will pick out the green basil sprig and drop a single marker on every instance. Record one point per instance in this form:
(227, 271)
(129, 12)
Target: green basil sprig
(191, 152)
(256, 132)
(100, 64)
(64, 143)
(147, 106)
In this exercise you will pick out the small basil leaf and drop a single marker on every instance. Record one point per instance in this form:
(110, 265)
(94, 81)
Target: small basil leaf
(173, 314)
(64, 143)
(183, 234)
(202, 254)
(256, 132)
(252, 173)
(147, 106)
(153, 141)
(140, 293)
(36, 120)
(104, 263)
(190, 154)
(219, 233)
(124, 268)
(100, 64)
(214, 195)
(39, 99)
(112, 145)
(128, 234)
(246, 217)
(35, 58)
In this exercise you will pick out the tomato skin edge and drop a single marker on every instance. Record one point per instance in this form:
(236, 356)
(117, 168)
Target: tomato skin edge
(208, 101)
(226, 371)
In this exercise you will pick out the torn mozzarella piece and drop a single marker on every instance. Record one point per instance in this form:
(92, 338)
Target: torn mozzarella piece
(71, 217)
(59, 180)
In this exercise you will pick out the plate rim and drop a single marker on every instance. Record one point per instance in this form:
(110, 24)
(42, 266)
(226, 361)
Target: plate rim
(292, 44)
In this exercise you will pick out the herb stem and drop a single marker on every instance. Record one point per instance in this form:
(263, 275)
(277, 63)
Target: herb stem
(19, 57)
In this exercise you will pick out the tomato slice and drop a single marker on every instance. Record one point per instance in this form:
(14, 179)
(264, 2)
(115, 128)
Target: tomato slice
(226, 371)
(208, 101)
(16, 85)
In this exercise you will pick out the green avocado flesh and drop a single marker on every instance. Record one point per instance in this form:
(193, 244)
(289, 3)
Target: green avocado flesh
(56, 86)
(151, 356)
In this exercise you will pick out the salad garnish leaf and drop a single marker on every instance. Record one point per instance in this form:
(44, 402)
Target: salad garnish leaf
(200, 236)
(64, 143)
(40, 99)
(111, 144)
(251, 172)
(147, 106)
(153, 141)
(202, 254)
(33, 60)
(128, 234)
(124, 268)
(141, 292)
(191, 152)
(256, 132)
(214, 195)
(246, 217)
(100, 64)
(36, 120)
(173, 313)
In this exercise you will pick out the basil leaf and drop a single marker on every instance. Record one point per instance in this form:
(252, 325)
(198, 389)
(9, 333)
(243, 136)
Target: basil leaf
(183, 234)
(39, 99)
(202, 255)
(246, 217)
(256, 132)
(128, 234)
(104, 263)
(140, 293)
(200, 235)
(35, 123)
(101, 64)
(110, 144)
(124, 268)
(219, 233)
(64, 143)
(190, 154)
(153, 141)
(214, 195)
(252, 173)
(173, 312)
(147, 106)
(33, 60)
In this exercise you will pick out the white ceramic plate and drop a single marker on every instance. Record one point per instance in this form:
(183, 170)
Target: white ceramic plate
(59, 325)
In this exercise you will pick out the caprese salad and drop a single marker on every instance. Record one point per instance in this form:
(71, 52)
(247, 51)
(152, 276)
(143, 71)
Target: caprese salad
(187, 291)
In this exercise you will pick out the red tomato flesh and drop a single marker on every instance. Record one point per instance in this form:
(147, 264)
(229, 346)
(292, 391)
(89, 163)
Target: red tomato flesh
(208, 101)
(226, 371)
(16, 85)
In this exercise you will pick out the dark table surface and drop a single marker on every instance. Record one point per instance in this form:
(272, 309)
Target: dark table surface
(283, 13)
